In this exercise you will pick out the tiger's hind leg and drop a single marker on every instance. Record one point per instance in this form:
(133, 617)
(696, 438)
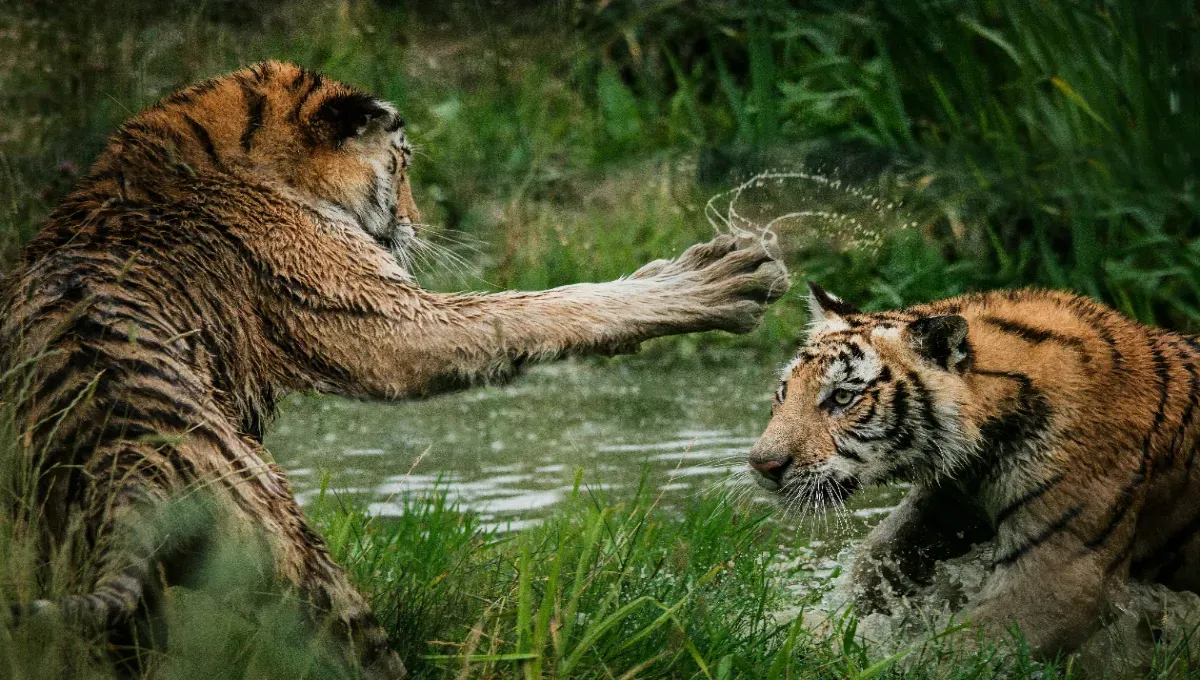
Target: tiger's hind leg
(173, 545)
(136, 555)
(139, 539)
(153, 525)
(337, 605)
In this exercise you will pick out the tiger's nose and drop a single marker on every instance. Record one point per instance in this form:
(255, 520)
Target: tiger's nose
(770, 467)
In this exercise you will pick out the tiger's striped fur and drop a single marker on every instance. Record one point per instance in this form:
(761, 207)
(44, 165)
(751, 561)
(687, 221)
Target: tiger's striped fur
(1042, 421)
(244, 238)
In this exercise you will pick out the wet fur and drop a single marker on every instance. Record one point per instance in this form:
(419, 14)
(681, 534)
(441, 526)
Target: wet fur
(1044, 422)
(240, 241)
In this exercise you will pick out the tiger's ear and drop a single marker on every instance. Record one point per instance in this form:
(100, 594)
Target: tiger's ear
(822, 306)
(942, 340)
(349, 115)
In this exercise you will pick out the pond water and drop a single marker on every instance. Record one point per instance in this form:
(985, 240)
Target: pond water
(511, 453)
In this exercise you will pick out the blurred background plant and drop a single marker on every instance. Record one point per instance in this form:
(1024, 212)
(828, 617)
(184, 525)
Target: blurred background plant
(1031, 143)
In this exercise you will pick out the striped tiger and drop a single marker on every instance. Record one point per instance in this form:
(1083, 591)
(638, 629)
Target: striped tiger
(1042, 422)
(248, 237)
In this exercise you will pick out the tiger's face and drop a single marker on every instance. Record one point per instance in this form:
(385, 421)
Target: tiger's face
(868, 400)
(337, 151)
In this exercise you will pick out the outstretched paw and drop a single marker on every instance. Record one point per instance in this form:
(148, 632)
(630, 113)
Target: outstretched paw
(731, 279)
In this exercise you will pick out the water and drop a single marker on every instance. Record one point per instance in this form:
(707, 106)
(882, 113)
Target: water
(511, 453)
(794, 209)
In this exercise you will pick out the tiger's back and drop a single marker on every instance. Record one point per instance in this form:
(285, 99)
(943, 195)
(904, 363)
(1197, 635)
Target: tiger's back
(143, 317)
(134, 380)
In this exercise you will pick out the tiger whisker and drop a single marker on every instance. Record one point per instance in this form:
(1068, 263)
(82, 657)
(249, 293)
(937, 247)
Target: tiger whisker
(447, 255)
(454, 237)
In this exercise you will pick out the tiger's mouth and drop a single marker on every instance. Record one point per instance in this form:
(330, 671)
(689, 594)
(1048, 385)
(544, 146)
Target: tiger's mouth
(398, 239)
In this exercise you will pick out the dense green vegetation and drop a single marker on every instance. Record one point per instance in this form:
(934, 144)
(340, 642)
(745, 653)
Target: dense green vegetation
(1030, 142)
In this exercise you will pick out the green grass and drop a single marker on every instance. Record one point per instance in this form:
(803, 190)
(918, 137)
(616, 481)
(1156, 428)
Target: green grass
(602, 589)
(1045, 143)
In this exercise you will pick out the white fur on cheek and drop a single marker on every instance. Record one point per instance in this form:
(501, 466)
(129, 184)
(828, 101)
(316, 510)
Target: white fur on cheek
(341, 224)
(375, 208)
(378, 210)
(845, 466)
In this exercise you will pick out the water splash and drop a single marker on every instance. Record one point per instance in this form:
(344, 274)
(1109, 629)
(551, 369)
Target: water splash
(852, 215)
(1143, 620)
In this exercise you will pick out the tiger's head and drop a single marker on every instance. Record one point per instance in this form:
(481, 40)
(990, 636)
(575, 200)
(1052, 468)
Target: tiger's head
(869, 399)
(335, 150)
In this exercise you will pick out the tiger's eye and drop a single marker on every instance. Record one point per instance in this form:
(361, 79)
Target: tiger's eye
(843, 397)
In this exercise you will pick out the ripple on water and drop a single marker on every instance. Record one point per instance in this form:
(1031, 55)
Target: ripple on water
(363, 452)
(688, 443)
(698, 471)
(686, 426)
(703, 454)
(493, 469)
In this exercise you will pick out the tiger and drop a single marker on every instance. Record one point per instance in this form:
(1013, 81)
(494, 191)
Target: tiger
(1039, 423)
(249, 237)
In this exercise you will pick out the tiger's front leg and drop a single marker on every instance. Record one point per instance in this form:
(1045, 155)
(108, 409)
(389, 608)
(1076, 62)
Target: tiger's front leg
(899, 554)
(393, 341)
(1056, 600)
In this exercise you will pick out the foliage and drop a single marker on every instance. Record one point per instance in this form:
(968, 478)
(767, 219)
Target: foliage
(1052, 141)
(1032, 142)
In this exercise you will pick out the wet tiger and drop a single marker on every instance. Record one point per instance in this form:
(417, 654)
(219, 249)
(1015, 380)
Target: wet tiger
(1048, 424)
(242, 239)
